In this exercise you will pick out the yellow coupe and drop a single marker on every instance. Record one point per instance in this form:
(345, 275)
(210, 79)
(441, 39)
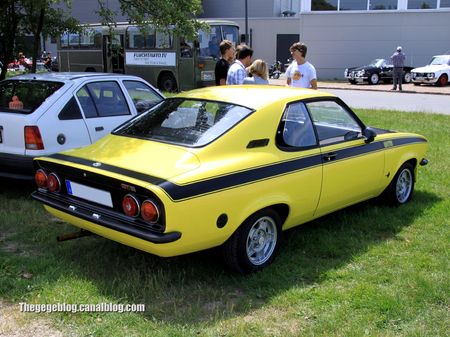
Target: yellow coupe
(228, 166)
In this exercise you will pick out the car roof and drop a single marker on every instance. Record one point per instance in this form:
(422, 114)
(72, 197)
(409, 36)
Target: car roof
(68, 76)
(253, 96)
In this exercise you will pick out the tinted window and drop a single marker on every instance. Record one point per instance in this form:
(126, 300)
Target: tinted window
(103, 99)
(333, 122)
(70, 111)
(25, 96)
(185, 122)
(297, 129)
(143, 96)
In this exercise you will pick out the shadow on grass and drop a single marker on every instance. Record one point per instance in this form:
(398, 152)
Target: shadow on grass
(195, 289)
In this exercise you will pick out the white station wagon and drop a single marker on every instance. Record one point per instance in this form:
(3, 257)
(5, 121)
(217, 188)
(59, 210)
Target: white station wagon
(437, 72)
(41, 114)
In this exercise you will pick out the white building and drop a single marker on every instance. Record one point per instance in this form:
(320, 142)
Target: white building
(338, 33)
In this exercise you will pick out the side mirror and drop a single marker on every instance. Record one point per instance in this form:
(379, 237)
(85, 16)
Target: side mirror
(369, 134)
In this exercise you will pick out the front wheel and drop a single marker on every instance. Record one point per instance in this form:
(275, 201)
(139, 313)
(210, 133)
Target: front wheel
(443, 80)
(374, 78)
(401, 188)
(254, 244)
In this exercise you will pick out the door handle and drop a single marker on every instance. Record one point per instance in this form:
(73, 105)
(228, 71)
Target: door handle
(329, 156)
(99, 128)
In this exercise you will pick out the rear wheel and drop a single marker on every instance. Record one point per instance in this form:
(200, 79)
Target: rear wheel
(167, 82)
(374, 78)
(407, 77)
(401, 188)
(443, 80)
(254, 244)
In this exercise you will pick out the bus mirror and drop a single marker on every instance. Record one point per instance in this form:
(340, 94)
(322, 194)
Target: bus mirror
(243, 38)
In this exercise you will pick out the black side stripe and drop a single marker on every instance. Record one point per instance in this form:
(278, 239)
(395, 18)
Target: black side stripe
(214, 184)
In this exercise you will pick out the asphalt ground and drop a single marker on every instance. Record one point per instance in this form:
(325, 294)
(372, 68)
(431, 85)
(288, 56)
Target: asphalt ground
(423, 98)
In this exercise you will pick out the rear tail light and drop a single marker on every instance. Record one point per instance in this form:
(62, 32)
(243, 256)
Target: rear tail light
(33, 139)
(53, 183)
(149, 211)
(130, 205)
(41, 178)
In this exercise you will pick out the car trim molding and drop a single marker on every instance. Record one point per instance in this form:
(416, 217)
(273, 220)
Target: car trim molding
(214, 184)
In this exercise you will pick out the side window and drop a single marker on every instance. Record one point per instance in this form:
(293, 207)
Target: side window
(297, 129)
(86, 102)
(333, 122)
(209, 42)
(143, 96)
(108, 99)
(70, 111)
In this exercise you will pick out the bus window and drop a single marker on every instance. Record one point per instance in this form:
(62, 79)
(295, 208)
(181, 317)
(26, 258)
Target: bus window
(163, 40)
(137, 40)
(74, 40)
(230, 33)
(64, 40)
(91, 38)
(209, 42)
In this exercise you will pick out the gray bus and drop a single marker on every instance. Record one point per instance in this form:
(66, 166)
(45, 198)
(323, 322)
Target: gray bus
(167, 61)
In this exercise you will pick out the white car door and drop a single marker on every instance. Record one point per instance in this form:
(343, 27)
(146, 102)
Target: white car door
(104, 107)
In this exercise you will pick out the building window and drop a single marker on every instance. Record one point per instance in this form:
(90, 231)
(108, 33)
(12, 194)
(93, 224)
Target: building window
(352, 5)
(445, 3)
(422, 4)
(324, 5)
(383, 4)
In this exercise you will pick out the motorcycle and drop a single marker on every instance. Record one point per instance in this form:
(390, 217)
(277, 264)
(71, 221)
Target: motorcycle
(275, 70)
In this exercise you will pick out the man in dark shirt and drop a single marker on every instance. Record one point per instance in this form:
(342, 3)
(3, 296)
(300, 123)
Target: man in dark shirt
(398, 59)
(228, 54)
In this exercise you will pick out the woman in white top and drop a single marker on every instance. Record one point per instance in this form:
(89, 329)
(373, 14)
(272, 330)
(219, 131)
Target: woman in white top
(258, 70)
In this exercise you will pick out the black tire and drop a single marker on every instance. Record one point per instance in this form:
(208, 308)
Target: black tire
(352, 81)
(416, 84)
(442, 81)
(276, 75)
(407, 77)
(374, 78)
(254, 244)
(167, 82)
(401, 188)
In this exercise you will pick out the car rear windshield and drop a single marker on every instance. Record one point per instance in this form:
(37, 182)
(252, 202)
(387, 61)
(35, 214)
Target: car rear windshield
(185, 121)
(25, 96)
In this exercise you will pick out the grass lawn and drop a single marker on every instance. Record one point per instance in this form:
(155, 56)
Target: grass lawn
(369, 270)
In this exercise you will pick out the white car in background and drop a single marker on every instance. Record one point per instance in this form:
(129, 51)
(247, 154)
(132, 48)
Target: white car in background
(437, 72)
(41, 114)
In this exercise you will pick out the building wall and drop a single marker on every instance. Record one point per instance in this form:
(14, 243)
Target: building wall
(339, 40)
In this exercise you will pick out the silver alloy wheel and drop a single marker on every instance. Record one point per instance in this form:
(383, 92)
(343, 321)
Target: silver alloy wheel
(404, 185)
(261, 240)
(407, 77)
(374, 78)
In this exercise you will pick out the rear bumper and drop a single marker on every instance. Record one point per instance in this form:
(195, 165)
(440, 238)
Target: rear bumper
(16, 166)
(102, 217)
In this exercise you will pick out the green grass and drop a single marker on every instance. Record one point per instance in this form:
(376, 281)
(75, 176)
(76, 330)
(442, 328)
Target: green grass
(369, 270)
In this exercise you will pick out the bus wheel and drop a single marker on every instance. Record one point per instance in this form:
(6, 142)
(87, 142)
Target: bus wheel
(167, 82)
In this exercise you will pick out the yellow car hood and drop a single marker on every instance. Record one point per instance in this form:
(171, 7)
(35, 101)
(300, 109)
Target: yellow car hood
(156, 159)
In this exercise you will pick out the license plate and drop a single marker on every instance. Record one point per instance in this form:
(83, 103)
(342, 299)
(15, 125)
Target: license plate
(207, 76)
(89, 193)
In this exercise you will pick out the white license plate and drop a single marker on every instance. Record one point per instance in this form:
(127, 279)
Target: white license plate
(207, 76)
(89, 193)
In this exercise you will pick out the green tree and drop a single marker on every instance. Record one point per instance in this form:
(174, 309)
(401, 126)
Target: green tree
(176, 15)
(31, 17)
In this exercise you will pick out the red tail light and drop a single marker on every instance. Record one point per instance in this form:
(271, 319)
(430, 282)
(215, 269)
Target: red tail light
(53, 183)
(41, 178)
(33, 139)
(130, 205)
(149, 211)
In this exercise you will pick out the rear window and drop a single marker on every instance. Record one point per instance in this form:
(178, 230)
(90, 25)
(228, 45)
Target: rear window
(24, 96)
(185, 122)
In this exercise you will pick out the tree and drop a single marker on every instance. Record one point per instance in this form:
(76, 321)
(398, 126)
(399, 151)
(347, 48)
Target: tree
(31, 17)
(176, 15)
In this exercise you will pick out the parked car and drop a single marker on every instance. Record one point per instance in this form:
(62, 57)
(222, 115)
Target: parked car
(437, 72)
(46, 113)
(376, 71)
(228, 166)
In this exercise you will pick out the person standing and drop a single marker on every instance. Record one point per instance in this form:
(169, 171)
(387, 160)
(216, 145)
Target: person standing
(228, 53)
(238, 71)
(398, 60)
(300, 73)
(258, 70)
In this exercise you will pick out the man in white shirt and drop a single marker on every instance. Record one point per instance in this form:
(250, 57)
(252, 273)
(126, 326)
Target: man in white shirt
(300, 73)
